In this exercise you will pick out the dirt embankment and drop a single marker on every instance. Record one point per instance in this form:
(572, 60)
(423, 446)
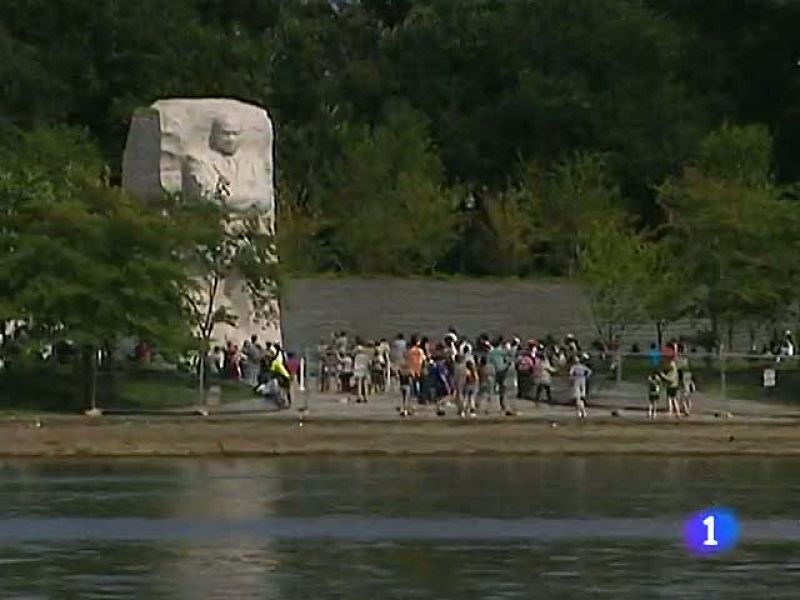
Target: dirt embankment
(109, 437)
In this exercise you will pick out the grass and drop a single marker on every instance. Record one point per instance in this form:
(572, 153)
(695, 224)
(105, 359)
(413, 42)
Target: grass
(58, 389)
(743, 378)
(170, 390)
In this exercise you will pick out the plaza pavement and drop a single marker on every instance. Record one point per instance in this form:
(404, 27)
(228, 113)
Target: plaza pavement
(608, 400)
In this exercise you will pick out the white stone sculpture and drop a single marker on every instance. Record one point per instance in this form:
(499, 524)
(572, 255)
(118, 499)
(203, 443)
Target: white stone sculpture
(209, 150)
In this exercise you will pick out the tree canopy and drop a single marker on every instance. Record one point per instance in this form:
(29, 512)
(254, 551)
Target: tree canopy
(443, 136)
(490, 87)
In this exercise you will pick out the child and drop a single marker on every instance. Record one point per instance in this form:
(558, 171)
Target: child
(404, 377)
(579, 373)
(653, 395)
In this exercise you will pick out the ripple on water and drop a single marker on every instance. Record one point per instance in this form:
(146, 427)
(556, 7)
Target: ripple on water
(500, 529)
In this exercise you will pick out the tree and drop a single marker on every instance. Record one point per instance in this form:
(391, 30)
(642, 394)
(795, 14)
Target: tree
(575, 193)
(734, 230)
(505, 244)
(81, 261)
(666, 296)
(218, 246)
(617, 266)
(386, 200)
(497, 83)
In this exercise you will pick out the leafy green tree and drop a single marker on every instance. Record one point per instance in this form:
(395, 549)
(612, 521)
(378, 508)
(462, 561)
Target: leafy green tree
(218, 246)
(505, 243)
(742, 57)
(740, 154)
(733, 229)
(518, 80)
(617, 267)
(667, 295)
(576, 193)
(387, 202)
(500, 83)
(81, 261)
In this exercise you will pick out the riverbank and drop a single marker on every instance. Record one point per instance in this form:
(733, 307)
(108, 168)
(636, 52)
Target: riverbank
(258, 436)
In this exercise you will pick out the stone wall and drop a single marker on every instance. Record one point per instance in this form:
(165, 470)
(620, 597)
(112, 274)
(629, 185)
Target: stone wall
(375, 308)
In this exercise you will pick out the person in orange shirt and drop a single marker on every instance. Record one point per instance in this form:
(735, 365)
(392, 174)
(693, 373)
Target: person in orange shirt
(415, 359)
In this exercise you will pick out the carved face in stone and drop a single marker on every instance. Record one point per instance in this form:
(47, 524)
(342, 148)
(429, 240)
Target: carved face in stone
(226, 134)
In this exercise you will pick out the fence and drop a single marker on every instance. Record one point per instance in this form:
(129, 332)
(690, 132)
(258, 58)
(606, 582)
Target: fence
(727, 382)
(759, 385)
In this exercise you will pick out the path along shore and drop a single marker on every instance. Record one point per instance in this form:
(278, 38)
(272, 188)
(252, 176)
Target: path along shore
(264, 436)
(320, 424)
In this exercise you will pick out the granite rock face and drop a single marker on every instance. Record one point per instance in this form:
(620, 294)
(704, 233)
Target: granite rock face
(209, 150)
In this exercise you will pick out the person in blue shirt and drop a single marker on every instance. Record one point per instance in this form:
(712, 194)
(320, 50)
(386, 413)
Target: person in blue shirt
(501, 358)
(655, 355)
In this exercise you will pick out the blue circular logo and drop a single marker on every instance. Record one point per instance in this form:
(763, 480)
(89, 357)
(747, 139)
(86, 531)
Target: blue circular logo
(711, 531)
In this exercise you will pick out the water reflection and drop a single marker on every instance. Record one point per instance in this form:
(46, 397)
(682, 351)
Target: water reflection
(361, 528)
(232, 493)
(370, 528)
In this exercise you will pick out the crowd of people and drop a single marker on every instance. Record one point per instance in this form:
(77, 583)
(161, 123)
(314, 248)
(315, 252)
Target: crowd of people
(672, 378)
(473, 376)
(454, 371)
(267, 368)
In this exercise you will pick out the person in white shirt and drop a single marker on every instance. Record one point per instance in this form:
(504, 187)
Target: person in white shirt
(579, 374)
(361, 372)
(345, 372)
(543, 377)
(787, 345)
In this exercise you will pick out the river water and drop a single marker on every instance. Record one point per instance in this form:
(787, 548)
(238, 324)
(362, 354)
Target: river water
(369, 528)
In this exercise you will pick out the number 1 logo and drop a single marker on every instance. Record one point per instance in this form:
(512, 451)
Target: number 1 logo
(711, 531)
(709, 522)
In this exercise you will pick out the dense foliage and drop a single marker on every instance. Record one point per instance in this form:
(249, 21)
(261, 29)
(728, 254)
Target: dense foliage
(393, 111)
(83, 265)
(482, 137)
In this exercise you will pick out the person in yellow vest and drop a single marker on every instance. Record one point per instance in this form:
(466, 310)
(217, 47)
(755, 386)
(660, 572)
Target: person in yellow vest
(278, 370)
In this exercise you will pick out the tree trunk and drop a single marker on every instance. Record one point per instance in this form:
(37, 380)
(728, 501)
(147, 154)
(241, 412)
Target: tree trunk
(206, 329)
(202, 375)
(715, 329)
(110, 369)
(660, 333)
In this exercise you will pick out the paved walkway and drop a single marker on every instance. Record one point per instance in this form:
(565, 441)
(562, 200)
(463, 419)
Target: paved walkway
(607, 400)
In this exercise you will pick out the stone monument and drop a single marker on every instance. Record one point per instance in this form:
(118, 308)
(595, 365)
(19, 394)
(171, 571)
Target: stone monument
(209, 150)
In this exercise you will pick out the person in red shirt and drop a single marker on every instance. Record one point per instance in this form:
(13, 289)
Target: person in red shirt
(293, 365)
(670, 352)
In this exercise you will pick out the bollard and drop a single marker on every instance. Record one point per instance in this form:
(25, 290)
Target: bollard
(302, 374)
(214, 396)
